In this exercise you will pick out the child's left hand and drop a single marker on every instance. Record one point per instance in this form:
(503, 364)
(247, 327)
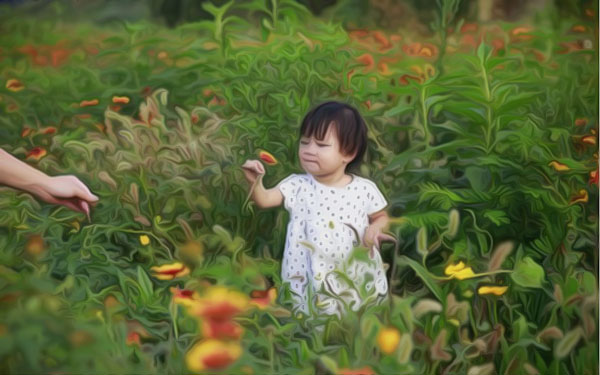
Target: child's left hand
(374, 236)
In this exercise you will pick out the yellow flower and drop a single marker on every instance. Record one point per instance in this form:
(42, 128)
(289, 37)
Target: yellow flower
(14, 85)
(184, 297)
(144, 240)
(459, 271)
(263, 298)
(388, 339)
(170, 271)
(465, 273)
(212, 355)
(581, 197)
(453, 268)
(496, 290)
(560, 167)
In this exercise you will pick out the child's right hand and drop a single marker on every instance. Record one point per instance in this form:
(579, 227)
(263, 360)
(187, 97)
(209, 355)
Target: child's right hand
(252, 170)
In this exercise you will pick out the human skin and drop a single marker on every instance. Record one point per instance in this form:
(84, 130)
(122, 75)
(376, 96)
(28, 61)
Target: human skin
(68, 191)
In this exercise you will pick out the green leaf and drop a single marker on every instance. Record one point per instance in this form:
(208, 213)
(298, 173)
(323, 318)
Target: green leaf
(528, 273)
(144, 283)
(329, 364)
(422, 242)
(497, 217)
(567, 343)
(424, 275)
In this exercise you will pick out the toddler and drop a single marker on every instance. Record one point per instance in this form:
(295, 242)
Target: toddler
(331, 212)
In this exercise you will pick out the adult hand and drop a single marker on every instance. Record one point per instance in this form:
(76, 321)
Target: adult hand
(68, 191)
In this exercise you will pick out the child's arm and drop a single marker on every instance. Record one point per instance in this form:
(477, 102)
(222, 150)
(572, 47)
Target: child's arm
(66, 190)
(264, 198)
(378, 222)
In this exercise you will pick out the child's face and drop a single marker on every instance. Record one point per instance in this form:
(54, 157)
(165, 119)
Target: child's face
(322, 157)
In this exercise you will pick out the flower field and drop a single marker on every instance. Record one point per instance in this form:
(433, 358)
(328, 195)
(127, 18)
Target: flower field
(482, 136)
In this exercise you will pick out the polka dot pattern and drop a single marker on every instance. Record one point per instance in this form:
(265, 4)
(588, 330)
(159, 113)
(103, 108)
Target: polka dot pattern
(326, 223)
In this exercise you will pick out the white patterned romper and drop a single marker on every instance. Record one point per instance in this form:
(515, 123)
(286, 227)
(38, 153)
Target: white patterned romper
(320, 238)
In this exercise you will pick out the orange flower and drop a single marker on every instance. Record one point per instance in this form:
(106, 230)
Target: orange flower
(383, 69)
(36, 153)
(35, 245)
(382, 40)
(468, 28)
(221, 329)
(48, 130)
(558, 166)
(580, 121)
(521, 33)
(593, 177)
(367, 60)
(582, 197)
(589, 139)
(578, 29)
(87, 103)
(404, 79)
(27, 131)
(220, 304)
(212, 355)
(263, 298)
(418, 49)
(267, 157)
(359, 371)
(133, 338)
(170, 271)
(14, 85)
(120, 99)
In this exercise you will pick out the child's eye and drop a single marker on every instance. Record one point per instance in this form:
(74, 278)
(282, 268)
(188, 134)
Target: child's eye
(304, 142)
(322, 144)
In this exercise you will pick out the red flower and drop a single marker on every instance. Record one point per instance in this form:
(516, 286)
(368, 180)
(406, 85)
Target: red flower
(418, 49)
(87, 103)
(367, 60)
(221, 329)
(382, 40)
(27, 131)
(468, 28)
(593, 177)
(36, 153)
(267, 157)
(49, 130)
(580, 121)
(263, 298)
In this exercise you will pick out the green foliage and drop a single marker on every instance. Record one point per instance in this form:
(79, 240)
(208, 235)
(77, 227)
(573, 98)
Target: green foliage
(484, 158)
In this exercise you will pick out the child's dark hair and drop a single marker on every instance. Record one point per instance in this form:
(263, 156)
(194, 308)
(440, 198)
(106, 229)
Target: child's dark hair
(350, 128)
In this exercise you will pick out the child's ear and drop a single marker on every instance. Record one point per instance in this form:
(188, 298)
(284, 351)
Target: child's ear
(348, 158)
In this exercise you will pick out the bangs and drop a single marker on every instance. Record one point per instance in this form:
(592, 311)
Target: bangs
(350, 128)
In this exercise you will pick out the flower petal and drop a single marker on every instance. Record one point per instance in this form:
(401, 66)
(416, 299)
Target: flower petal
(212, 354)
(14, 85)
(453, 268)
(120, 99)
(88, 103)
(558, 166)
(36, 153)
(267, 157)
(496, 290)
(388, 339)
